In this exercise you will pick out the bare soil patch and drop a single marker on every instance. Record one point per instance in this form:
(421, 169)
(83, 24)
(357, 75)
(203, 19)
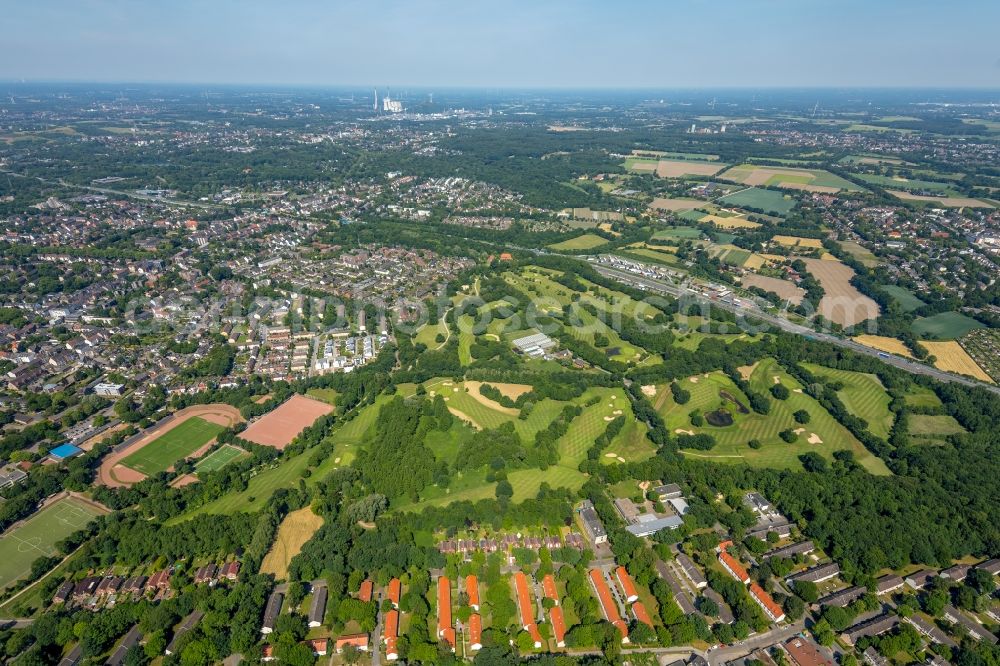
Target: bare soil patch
(786, 289)
(679, 168)
(279, 427)
(842, 304)
(661, 203)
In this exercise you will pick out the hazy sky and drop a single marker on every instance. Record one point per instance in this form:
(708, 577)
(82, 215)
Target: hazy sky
(581, 43)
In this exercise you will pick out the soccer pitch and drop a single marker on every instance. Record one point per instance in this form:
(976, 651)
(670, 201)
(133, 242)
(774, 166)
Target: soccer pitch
(37, 536)
(173, 445)
(219, 458)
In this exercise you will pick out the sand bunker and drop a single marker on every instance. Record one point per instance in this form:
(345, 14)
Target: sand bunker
(649, 390)
(814, 438)
(682, 431)
(799, 431)
(693, 380)
(610, 455)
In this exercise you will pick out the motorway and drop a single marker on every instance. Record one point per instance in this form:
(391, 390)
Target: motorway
(751, 310)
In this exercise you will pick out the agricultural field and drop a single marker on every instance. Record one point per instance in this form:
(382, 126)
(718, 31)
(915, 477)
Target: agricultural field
(951, 357)
(884, 343)
(584, 242)
(37, 536)
(863, 395)
(842, 303)
(297, 528)
(945, 326)
(673, 168)
(174, 445)
(786, 289)
(825, 433)
(943, 202)
(811, 180)
(860, 253)
(755, 198)
(906, 298)
(796, 241)
(900, 183)
(219, 458)
(677, 233)
(663, 204)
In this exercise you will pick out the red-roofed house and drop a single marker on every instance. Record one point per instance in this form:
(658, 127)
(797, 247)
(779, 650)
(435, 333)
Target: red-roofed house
(319, 646)
(524, 606)
(475, 632)
(367, 588)
(641, 614)
(393, 591)
(631, 594)
(558, 625)
(764, 600)
(359, 641)
(390, 632)
(732, 565)
(608, 604)
(472, 591)
(445, 629)
(549, 588)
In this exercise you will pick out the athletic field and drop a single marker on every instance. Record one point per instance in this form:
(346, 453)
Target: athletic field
(219, 458)
(173, 445)
(36, 537)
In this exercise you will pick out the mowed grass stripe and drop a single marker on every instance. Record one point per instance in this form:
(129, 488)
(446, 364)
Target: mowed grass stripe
(37, 536)
(219, 458)
(863, 396)
(173, 445)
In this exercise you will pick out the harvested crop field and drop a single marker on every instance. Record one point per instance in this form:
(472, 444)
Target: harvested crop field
(797, 241)
(279, 427)
(859, 252)
(114, 471)
(884, 343)
(297, 528)
(679, 168)
(661, 203)
(943, 202)
(842, 304)
(952, 358)
(786, 289)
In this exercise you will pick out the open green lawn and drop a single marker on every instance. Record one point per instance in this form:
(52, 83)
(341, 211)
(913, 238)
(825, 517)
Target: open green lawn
(768, 201)
(174, 445)
(863, 395)
(732, 440)
(946, 326)
(924, 427)
(427, 334)
(906, 298)
(584, 242)
(327, 395)
(36, 537)
(219, 458)
(918, 396)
